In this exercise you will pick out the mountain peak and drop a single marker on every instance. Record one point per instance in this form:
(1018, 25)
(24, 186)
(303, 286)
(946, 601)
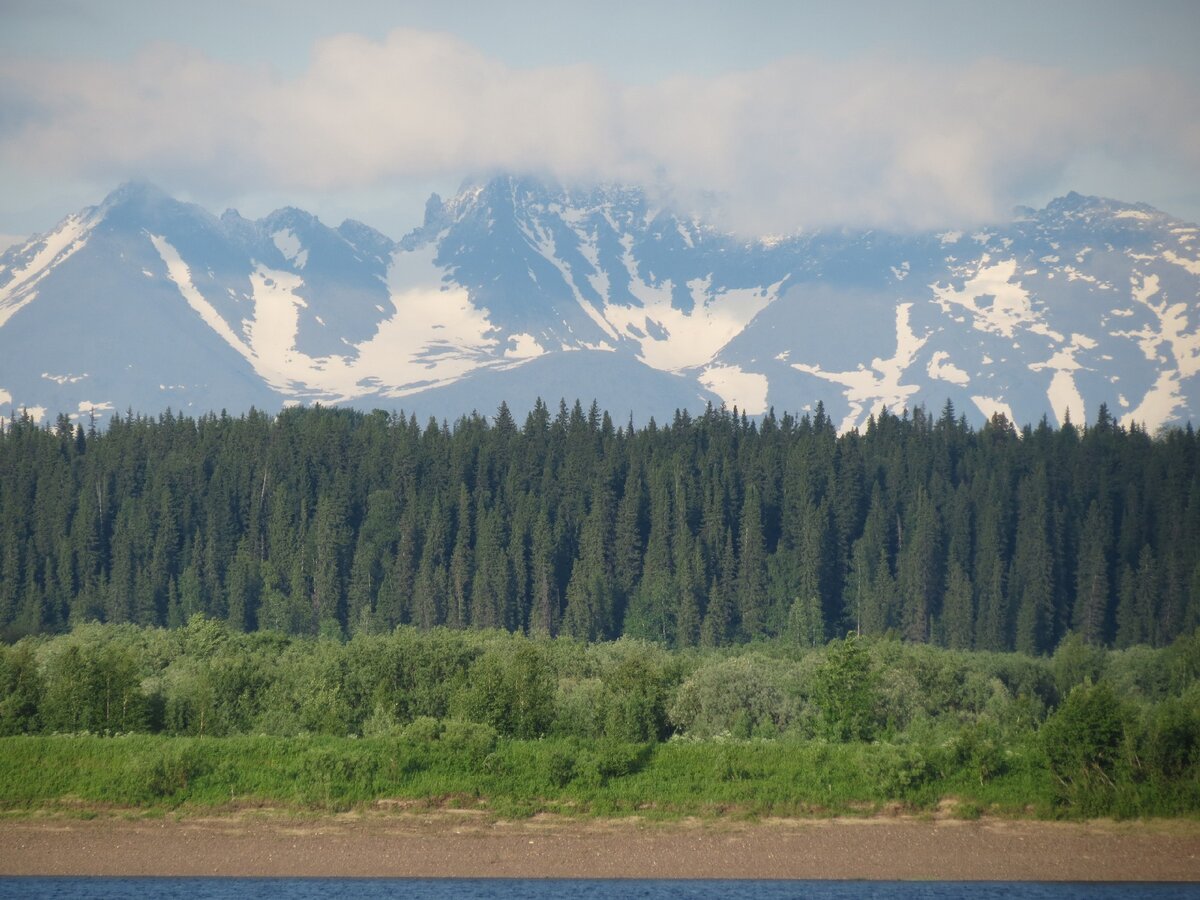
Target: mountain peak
(1075, 204)
(289, 217)
(136, 192)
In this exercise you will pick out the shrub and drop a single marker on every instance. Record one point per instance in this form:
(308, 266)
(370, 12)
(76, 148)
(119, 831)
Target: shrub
(169, 770)
(635, 702)
(751, 694)
(471, 740)
(844, 692)
(512, 691)
(1083, 741)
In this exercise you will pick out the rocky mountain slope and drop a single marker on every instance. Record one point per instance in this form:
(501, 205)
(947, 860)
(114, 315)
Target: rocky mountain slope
(514, 289)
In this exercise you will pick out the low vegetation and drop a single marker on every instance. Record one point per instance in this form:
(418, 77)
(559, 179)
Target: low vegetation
(205, 717)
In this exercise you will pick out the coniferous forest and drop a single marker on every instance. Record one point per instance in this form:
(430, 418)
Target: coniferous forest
(706, 531)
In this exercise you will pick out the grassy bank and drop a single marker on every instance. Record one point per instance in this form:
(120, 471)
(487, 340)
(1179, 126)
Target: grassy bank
(466, 765)
(200, 718)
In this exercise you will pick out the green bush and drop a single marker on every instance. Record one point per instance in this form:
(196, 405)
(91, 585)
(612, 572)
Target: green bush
(423, 730)
(979, 750)
(609, 759)
(751, 694)
(510, 689)
(560, 766)
(1083, 741)
(21, 689)
(168, 770)
(899, 771)
(844, 691)
(472, 741)
(1172, 740)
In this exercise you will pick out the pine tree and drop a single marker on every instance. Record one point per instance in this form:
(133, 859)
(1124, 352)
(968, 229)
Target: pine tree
(331, 542)
(718, 618)
(958, 612)
(627, 537)
(544, 605)
(919, 569)
(870, 585)
(751, 580)
(458, 612)
(1090, 614)
(992, 618)
(652, 608)
(1031, 574)
(492, 585)
(591, 597)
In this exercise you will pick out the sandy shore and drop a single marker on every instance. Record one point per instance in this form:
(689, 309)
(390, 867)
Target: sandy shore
(460, 844)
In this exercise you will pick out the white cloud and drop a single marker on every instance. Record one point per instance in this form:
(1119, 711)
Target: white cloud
(797, 141)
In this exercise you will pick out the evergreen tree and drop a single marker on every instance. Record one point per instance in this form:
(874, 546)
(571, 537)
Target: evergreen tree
(919, 569)
(1031, 574)
(751, 581)
(1090, 614)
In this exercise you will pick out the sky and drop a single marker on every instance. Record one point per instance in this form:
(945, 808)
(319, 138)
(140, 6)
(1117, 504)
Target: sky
(779, 116)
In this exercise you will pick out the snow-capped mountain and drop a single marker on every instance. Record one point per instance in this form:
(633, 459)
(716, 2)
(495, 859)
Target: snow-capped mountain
(514, 289)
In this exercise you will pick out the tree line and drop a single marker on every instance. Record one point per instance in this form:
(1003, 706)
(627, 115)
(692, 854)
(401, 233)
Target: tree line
(708, 530)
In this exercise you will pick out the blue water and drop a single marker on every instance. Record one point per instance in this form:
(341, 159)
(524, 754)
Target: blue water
(519, 888)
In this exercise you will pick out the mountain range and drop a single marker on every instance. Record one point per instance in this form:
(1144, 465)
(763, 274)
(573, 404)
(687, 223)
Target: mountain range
(516, 289)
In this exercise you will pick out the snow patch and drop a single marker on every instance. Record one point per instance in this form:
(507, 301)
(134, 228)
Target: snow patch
(950, 237)
(900, 273)
(1159, 404)
(679, 339)
(434, 336)
(1063, 393)
(524, 346)
(64, 379)
(181, 275)
(745, 390)
(941, 368)
(868, 389)
(1010, 304)
(1132, 214)
(1074, 274)
(1191, 265)
(1169, 332)
(89, 408)
(989, 406)
(289, 245)
(5, 397)
(56, 249)
(272, 331)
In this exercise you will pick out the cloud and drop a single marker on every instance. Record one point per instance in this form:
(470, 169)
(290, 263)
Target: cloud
(800, 141)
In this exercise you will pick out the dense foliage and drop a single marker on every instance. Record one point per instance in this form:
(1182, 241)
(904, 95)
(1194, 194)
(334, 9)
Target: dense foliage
(206, 714)
(708, 531)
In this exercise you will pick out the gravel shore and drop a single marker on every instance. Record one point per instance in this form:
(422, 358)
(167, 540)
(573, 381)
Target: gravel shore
(449, 843)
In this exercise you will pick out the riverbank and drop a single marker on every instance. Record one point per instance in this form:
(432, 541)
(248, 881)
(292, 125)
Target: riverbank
(463, 843)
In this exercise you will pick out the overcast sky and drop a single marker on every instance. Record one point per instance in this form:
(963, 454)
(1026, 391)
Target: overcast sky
(795, 115)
